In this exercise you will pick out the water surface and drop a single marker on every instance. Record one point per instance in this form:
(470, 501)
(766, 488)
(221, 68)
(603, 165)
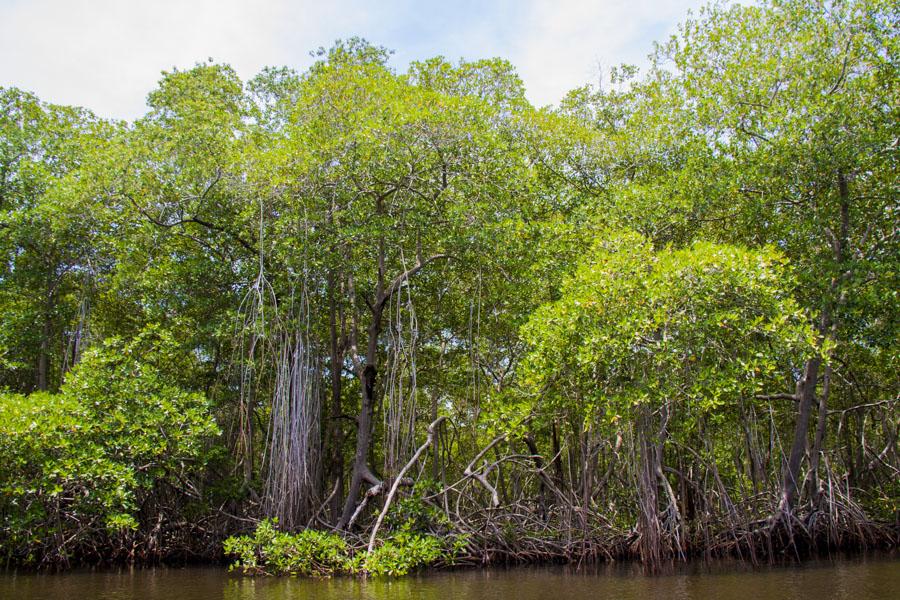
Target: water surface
(861, 578)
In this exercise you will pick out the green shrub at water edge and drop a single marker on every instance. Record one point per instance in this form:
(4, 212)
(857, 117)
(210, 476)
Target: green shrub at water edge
(312, 553)
(272, 552)
(79, 469)
(403, 553)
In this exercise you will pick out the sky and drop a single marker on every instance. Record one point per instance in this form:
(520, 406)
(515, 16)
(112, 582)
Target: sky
(107, 55)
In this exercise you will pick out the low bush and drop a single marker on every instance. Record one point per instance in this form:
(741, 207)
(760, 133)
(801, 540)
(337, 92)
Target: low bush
(311, 553)
(79, 469)
(403, 553)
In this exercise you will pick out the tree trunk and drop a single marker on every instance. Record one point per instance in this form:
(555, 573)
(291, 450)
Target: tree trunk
(367, 374)
(367, 371)
(557, 458)
(820, 436)
(435, 449)
(361, 470)
(806, 393)
(539, 466)
(806, 387)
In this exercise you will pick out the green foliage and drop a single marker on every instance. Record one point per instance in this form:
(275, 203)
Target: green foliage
(706, 325)
(414, 513)
(308, 553)
(50, 226)
(311, 553)
(403, 553)
(78, 465)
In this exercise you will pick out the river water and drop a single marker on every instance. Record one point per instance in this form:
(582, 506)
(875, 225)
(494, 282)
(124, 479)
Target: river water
(860, 578)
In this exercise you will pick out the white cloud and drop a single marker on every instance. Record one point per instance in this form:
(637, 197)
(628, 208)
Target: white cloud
(563, 43)
(108, 54)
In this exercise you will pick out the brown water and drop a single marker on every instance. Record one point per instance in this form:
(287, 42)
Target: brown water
(856, 579)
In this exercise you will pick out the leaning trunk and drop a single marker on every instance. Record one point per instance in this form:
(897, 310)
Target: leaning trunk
(806, 394)
(363, 440)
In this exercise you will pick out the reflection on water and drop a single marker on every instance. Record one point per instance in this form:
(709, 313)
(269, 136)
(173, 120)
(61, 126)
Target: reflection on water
(862, 578)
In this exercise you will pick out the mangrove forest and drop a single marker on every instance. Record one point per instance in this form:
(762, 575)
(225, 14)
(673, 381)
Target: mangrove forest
(367, 320)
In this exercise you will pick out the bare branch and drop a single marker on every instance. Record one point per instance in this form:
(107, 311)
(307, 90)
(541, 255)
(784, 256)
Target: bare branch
(387, 503)
(781, 396)
(398, 281)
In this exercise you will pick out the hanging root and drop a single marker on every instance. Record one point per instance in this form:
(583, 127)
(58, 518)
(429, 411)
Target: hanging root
(293, 444)
(400, 383)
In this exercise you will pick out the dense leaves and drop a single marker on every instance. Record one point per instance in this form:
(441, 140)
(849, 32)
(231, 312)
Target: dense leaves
(703, 327)
(80, 465)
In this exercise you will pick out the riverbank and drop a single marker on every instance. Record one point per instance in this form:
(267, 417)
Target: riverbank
(860, 577)
(266, 550)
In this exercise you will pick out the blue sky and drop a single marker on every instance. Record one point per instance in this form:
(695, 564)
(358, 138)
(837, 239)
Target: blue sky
(107, 55)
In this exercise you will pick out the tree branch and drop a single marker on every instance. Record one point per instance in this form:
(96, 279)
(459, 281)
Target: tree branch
(781, 396)
(398, 281)
(390, 497)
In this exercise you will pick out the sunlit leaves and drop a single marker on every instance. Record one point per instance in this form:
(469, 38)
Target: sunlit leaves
(704, 325)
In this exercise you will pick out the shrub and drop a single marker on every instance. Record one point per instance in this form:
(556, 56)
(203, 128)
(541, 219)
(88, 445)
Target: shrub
(76, 466)
(413, 512)
(402, 553)
(312, 553)
(309, 553)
